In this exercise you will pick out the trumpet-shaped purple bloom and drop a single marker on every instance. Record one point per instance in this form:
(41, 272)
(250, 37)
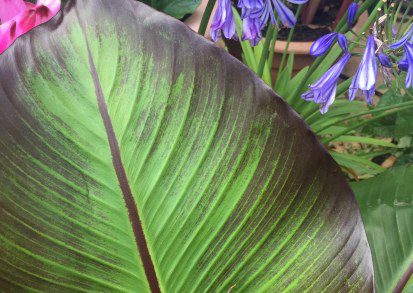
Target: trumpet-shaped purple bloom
(251, 30)
(352, 13)
(223, 21)
(409, 58)
(323, 91)
(250, 6)
(255, 19)
(384, 60)
(322, 45)
(257, 13)
(365, 78)
(403, 40)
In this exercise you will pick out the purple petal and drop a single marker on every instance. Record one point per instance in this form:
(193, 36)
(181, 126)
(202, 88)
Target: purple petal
(298, 1)
(403, 40)
(342, 41)
(365, 78)
(352, 13)
(369, 94)
(403, 65)
(286, 16)
(251, 30)
(368, 66)
(223, 21)
(322, 45)
(384, 60)
(323, 91)
(409, 57)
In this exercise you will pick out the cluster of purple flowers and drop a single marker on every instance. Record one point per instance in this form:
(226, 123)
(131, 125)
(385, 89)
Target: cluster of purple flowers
(255, 14)
(323, 91)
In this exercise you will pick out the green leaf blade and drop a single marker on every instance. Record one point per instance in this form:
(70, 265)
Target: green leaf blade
(232, 188)
(386, 204)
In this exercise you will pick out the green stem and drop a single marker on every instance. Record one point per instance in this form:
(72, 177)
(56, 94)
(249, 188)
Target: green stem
(154, 4)
(403, 17)
(290, 36)
(364, 122)
(205, 17)
(397, 13)
(265, 52)
(272, 46)
(248, 52)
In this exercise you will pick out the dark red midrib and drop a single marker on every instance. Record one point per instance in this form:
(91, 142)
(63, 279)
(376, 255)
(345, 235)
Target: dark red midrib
(404, 279)
(123, 181)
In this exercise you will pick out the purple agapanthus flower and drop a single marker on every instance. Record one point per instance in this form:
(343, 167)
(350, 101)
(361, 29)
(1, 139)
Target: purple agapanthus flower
(365, 78)
(223, 21)
(250, 6)
(352, 13)
(285, 14)
(255, 18)
(323, 91)
(384, 60)
(403, 40)
(321, 46)
(251, 30)
(409, 58)
(264, 11)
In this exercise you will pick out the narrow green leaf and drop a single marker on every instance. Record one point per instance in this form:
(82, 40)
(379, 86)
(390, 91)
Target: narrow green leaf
(366, 140)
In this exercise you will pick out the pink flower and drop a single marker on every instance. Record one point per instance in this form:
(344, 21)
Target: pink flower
(17, 17)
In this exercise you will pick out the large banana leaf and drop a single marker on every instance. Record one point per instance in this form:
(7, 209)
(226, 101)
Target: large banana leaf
(386, 204)
(135, 155)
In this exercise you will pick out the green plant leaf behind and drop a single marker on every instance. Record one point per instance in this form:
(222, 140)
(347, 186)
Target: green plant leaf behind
(176, 8)
(386, 204)
(135, 156)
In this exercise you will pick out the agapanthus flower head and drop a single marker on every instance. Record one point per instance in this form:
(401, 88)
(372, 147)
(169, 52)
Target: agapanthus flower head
(384, 60)
(365, 78)
(320, 46)
(223, 21)
(251, 30)
(409, 59)
(263, 10)
(403, 40)
(249, 6)
(18, 17)
(256, 18)
(323, 91)
(352, 13)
